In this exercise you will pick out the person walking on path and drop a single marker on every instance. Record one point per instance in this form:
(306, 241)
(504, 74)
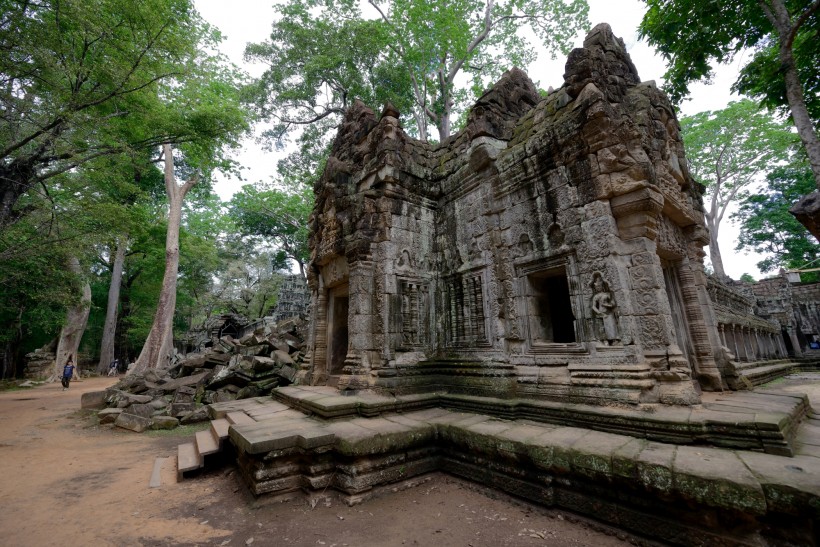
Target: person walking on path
(68, 372)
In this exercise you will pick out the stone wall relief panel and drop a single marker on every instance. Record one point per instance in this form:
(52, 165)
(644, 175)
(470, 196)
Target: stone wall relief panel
(464, 310)
(412, 314)
(672, 244)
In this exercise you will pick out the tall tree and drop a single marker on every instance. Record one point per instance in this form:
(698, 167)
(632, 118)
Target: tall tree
(767, 228)
(727, 151)
(117, 250)
(158, 346)
(693, 36)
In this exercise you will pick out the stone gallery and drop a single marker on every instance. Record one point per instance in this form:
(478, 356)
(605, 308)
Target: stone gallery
(553, 248)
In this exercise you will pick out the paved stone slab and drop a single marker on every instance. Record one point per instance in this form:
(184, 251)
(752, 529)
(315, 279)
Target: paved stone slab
(551, 450)
(592, 454)
(788, 483)
(717, 478)
(239, 418)
(156, 473)
(654, 466)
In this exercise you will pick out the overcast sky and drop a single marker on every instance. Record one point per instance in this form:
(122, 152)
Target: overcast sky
(244, 21)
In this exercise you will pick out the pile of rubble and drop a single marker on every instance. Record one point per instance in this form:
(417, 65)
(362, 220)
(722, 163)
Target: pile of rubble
(231, 369)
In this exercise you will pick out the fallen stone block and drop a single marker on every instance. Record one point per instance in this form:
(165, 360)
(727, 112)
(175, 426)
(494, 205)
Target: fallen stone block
(158, 404)
(93, 399)
(164, 422)
(108, 415)
(198, 415)
(133, 422)
(140, 409)
(282, 357)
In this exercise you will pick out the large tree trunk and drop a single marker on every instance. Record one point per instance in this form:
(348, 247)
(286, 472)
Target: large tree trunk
(110, 327)
(72, 331)
(156, 353)
(714, 256)
(787, 27)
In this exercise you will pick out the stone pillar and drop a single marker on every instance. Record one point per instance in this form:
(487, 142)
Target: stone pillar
(361, 346)
(798, 352)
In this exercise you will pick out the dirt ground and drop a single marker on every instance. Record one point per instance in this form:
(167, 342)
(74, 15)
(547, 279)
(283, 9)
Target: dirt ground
(64, 480)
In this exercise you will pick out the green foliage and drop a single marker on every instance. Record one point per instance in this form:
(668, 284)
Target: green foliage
(693, 36)
(747, 278)
(767, 227)
(279, 216)
(321, 58)
(761, 78)
(88, 78)
(728, 148)
(323, 55)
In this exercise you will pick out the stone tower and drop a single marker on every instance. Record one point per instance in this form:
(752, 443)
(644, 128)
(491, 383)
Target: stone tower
(553, 248)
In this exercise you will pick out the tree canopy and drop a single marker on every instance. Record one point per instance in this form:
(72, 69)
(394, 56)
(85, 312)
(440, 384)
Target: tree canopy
(80, 79)
(782, 34)
(766, 227)
(729, 151)
(322, 55)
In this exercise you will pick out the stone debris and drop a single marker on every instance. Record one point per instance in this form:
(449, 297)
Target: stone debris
(230, 369)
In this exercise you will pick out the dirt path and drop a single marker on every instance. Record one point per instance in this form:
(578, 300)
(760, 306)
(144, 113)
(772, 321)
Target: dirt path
(66, 481)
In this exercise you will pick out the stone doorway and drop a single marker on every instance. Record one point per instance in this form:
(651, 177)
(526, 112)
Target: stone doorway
(551, 316)
(337, 331)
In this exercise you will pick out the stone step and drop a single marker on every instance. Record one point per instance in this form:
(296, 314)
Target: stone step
(239, 418)
(206, 444)
(188, 459)
(745, 365)
(764, 374)
(219, 429)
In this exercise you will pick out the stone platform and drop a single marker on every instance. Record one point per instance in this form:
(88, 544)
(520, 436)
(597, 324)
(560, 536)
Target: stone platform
(683, 493)
(762, 420)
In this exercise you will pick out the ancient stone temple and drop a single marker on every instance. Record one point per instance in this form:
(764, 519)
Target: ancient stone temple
(552, 248)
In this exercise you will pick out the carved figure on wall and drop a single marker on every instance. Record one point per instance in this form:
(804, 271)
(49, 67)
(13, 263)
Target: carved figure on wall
(603, 310)
(524, 247)
(405, 261)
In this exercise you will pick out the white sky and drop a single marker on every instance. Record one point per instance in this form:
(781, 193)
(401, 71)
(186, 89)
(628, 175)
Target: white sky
(244, 21)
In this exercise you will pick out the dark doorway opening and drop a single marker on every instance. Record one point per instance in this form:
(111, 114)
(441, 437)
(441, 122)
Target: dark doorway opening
(553, 320)
(337, 331)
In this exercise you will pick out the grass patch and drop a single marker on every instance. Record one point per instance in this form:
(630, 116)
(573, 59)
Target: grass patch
(776, 381)
(12, 385)
(181, 431)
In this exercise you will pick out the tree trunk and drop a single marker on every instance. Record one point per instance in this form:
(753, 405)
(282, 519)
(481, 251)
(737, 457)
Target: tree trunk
(156, 353)
(72, 331)
(800, 114)
(15, 180)
(786, 26)
(714, 249)
(714, 256)
(110, 327)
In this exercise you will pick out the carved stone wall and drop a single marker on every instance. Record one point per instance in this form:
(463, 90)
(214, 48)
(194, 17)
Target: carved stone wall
(552, 248)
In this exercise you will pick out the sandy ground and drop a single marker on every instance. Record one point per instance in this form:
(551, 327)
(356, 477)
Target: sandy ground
(66, 481)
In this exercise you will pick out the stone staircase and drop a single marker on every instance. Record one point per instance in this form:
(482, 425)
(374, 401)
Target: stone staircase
(191, 455)
(762, 372)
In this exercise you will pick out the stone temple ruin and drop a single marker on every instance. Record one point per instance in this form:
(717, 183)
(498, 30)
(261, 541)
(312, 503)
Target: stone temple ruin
(524, 306)
(553, 248)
